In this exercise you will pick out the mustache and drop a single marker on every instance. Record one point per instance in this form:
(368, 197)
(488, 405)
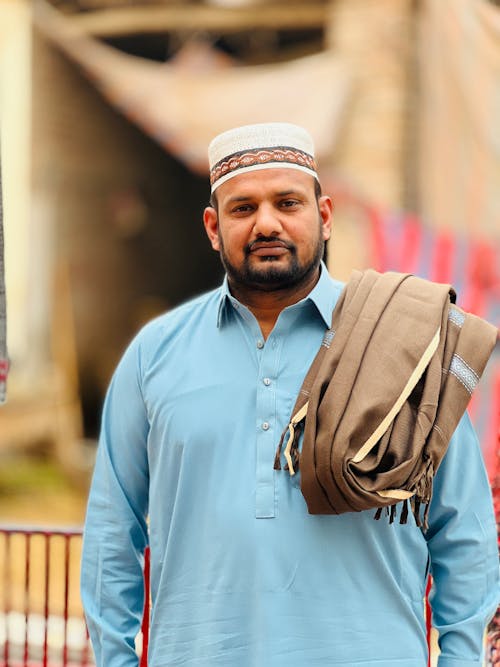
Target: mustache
(269, 239)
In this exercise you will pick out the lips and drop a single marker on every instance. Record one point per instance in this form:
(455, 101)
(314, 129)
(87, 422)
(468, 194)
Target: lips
(268, 248)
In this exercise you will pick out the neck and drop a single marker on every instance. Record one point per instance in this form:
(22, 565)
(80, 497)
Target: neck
(266, 306)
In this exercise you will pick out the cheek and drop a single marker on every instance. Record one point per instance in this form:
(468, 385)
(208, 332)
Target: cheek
(307, 242)
(233, 241)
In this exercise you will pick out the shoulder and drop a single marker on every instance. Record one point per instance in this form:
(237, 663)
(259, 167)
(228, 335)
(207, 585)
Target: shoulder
(200, 306)
(162, 331)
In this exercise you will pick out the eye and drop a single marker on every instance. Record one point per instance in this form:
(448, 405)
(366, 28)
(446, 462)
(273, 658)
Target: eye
(242, 209)
(289, 203)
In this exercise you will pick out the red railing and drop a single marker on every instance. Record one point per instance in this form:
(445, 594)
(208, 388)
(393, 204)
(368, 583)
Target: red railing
(493, 647)
(42, 623)
(41, 618)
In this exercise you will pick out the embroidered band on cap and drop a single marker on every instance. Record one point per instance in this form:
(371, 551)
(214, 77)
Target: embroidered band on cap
(261, 146)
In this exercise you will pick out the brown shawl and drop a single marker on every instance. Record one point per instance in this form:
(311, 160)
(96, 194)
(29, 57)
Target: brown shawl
(384, 394)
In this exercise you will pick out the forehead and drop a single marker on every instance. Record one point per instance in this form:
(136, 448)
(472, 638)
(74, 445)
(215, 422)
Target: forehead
(266, 182)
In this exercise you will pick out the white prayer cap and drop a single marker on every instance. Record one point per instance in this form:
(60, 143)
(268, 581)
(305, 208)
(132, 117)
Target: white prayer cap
(261, 146)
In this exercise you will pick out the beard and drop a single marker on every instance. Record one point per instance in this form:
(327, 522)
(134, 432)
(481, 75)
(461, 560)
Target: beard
(269, 274)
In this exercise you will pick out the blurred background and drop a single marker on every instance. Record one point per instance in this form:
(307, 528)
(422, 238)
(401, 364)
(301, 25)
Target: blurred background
(106, 110)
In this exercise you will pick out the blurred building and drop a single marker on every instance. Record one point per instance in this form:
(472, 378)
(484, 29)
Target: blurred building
(120, 97)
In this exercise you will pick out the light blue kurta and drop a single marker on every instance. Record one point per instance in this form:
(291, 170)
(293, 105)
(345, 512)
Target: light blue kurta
(241, 574)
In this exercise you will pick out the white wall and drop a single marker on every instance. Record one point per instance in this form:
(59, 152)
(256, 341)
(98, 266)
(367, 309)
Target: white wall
(15, 110)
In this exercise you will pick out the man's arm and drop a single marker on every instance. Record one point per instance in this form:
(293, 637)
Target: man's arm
(115, 533)
(462, 543)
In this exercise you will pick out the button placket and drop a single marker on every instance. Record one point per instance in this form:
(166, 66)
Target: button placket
(266, 433)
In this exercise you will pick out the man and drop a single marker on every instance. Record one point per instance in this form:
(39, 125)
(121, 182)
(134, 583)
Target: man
(241, 573)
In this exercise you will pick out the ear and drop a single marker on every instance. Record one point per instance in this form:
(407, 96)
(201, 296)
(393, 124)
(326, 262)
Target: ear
(325, 205)
(211, 222)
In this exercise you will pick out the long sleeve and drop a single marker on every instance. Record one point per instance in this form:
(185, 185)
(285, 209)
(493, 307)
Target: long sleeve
(463, 552)
(115, 534)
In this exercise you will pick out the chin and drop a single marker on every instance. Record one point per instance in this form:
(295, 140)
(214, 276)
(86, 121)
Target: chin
(273, 277)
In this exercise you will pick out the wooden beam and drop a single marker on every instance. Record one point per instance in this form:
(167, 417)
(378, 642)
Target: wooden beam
(160, 19)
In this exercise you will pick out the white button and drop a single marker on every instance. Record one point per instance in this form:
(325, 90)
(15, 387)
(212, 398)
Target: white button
(260, 344)
(266, 381)
(265, 426)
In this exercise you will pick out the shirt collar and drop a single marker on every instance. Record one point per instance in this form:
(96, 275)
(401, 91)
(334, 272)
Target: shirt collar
(324, 296)
(224, 302)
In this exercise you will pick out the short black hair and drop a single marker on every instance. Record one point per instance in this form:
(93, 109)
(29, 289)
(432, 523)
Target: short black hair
(317, 188)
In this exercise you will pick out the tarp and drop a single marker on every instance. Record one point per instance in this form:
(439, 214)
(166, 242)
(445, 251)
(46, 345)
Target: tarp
(459, 114)
(185, 102)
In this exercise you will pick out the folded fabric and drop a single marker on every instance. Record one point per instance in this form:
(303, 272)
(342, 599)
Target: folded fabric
(403, 242)
(384, 394)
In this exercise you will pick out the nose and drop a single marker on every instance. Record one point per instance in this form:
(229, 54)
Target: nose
(267, 222)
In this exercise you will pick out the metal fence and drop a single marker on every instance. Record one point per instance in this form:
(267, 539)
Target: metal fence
(41, 617)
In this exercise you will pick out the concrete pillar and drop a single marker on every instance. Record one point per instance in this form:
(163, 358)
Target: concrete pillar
(372, 157)
(15, 112)
(374, 37)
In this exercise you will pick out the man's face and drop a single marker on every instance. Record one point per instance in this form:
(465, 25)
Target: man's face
(270, 228)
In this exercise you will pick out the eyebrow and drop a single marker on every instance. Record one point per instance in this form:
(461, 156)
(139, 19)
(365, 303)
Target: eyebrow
(285, 193)
(233, 200)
